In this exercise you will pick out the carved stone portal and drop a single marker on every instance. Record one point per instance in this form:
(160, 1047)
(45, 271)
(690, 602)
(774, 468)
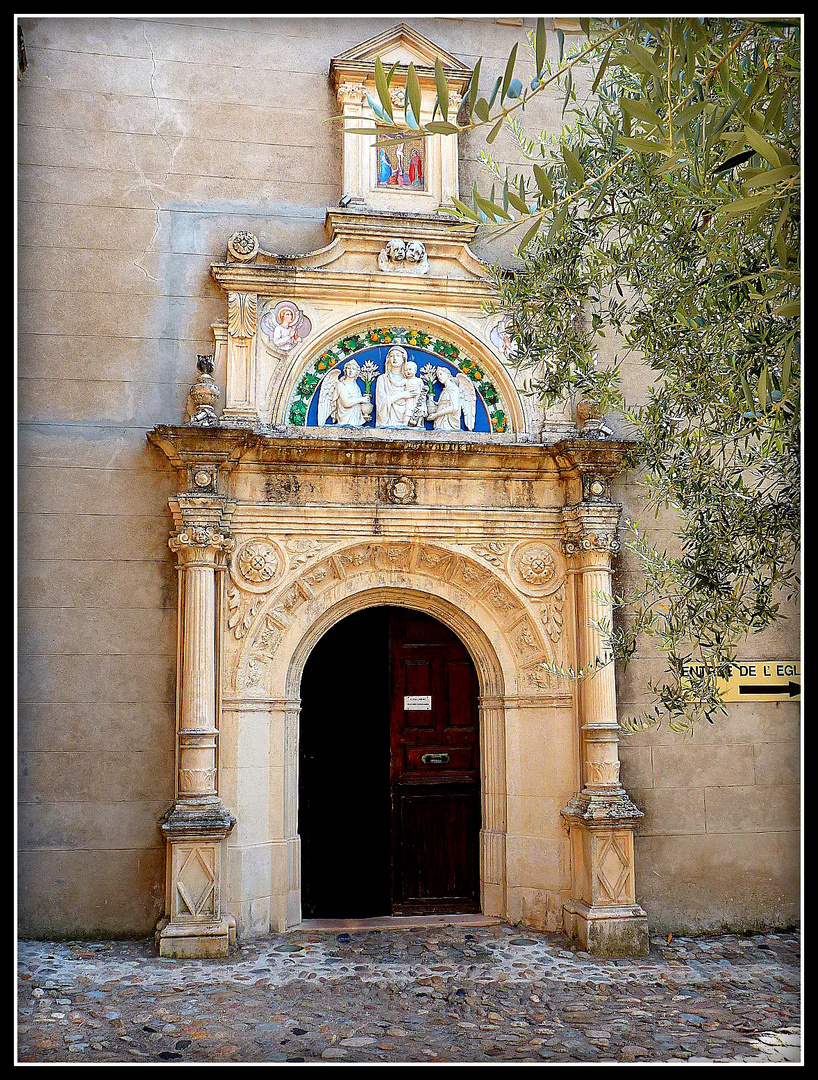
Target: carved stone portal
(260, 581)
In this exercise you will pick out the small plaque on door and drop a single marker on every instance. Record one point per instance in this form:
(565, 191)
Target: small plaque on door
(417, 703)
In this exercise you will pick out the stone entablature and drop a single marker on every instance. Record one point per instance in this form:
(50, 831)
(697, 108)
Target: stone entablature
(297, 530)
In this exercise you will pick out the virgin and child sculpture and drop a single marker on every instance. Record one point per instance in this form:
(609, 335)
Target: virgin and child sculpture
(402, 399)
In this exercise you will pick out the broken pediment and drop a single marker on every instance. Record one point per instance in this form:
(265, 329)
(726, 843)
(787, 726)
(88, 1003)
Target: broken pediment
(408, 174)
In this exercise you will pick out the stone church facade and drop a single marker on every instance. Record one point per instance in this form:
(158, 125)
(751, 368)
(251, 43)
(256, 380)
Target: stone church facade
(357, 440)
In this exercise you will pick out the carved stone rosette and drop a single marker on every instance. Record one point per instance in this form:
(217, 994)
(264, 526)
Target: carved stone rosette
(197, 823)
(603, 915)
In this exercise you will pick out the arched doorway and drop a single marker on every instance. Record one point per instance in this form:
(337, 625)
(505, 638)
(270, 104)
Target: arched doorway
(389, 769)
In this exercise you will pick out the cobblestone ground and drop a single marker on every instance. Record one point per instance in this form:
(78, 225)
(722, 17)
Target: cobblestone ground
(468, 994)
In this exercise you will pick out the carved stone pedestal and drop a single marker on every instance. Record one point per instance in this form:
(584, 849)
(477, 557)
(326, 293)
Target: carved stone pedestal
(604, 916)
(195, 926)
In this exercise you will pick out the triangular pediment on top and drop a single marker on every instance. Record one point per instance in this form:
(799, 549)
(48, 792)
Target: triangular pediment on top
(400, 45)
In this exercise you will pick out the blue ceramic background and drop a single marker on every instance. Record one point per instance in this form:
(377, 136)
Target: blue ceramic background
(377, 354)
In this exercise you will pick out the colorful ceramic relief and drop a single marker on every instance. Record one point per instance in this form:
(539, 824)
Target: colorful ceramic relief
(500, 337)
(285, 325)
(422, 378)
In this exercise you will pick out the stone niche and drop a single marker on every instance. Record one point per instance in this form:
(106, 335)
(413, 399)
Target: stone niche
(373, 448)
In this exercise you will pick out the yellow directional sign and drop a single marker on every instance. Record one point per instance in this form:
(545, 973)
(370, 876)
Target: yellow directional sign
(757, 680)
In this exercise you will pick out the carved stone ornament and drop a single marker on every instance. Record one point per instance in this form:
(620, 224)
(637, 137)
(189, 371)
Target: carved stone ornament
(608, 542)
(536, 566)
(595, 488)
(256, 563)
(403, 257)
(201, 536)
(243, 246)
(241, 314)
(602, 772)
(203, 395)
(398, 489)
(202, 478)
(353, 93)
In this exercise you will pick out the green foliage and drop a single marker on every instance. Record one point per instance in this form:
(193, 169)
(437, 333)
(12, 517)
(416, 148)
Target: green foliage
(667, 212)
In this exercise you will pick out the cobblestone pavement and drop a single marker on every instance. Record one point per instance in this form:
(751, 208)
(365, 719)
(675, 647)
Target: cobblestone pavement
(468, 994)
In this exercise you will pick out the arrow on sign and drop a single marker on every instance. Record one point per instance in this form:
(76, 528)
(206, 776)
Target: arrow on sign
(791, 688)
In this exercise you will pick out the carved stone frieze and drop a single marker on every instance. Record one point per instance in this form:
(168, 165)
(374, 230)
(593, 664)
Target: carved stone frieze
(396, 558)
(524, 641)
(540, 678)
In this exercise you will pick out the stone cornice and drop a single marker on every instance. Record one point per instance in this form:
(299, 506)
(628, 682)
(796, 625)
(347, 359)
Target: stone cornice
(463, 453)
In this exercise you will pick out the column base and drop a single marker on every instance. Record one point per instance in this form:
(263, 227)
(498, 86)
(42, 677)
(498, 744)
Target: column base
(607, 931)
(193, 925)
(196, 941)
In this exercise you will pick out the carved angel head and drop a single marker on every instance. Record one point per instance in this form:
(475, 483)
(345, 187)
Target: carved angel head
(395, 250)
(415, 251)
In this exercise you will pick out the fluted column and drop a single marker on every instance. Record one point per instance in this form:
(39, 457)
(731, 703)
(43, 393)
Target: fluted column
(197, 823)
(603, 913)
(600, 728)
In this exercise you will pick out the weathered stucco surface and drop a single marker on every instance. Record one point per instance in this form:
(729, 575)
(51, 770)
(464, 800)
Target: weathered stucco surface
(142, 146)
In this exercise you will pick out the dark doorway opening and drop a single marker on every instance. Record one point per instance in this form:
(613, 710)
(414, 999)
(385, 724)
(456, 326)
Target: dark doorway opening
(389, 777)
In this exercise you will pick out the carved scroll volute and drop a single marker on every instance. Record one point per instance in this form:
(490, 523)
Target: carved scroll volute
(241, 329)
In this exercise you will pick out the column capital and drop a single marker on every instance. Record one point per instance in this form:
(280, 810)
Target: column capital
(591, 527)
(202, 526)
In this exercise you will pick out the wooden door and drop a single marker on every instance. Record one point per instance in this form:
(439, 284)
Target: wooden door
(435, 768)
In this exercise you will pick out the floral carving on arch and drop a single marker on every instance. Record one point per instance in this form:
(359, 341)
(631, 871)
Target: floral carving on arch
(403, 564)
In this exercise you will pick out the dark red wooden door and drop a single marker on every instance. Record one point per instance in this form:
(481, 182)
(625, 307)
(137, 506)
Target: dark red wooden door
(435, 768)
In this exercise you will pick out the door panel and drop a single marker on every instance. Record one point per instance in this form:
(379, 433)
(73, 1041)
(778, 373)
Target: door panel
(435, 769)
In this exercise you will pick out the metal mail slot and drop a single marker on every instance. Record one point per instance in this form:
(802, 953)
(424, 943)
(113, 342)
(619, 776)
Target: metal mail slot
(435, 759)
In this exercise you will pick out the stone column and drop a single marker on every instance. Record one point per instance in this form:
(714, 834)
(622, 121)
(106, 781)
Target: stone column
(197, 823)
(603, 913)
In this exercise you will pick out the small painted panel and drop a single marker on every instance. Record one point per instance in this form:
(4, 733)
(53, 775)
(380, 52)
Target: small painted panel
(401, 164)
